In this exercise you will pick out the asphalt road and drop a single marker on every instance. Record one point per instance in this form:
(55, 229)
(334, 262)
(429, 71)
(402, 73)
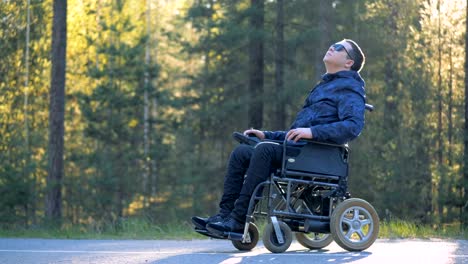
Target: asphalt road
(398, 251)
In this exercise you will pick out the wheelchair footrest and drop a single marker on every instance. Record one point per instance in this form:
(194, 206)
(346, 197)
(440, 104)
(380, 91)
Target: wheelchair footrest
(208, 233)
(225, 235)
(234, 236)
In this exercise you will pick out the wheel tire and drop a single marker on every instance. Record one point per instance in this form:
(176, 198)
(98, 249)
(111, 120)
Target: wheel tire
(318, 241)
(354, 224)
(254, 237)
(270, 240)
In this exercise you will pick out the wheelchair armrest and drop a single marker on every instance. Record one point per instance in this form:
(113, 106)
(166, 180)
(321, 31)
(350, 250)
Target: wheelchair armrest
(243, 139)
(252, 140)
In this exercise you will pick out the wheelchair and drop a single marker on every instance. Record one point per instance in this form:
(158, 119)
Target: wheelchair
(307, 196)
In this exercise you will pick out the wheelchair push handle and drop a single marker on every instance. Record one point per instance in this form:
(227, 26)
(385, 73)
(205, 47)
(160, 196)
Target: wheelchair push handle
(369, 107)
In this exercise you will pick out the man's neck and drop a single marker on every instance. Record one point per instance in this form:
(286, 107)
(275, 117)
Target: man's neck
(331, 71)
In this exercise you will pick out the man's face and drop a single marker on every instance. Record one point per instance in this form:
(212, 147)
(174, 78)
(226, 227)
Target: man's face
(337, 54)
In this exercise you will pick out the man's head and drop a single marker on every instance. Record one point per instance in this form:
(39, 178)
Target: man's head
(344, 55)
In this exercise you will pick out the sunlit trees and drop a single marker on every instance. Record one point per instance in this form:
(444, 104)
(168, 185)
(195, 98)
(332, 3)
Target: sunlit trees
(23, 122)
(113, 110)
(390, 128)
(441, 37)
(155, 88)
(417, 137)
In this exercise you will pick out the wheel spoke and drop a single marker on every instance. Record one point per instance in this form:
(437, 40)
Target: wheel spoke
(350, 233)
(356, 214)
(366, 222)
(360, 234)
(347, 222)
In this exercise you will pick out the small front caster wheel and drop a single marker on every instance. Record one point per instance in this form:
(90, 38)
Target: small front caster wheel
(270, 239)
(253, 237)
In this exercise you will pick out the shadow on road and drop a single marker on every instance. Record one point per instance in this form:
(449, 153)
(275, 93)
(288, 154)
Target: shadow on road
(261, 255)
(461, 252)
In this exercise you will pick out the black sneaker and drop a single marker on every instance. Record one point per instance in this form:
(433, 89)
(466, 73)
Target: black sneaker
(200, 222)
(228, 225)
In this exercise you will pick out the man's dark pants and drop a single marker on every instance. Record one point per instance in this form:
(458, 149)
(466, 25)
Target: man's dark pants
(257, 163)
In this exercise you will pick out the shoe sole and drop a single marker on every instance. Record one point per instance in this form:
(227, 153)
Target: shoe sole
(198, 225)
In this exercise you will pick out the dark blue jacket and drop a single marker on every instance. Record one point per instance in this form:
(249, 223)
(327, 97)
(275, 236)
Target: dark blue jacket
(334, 109)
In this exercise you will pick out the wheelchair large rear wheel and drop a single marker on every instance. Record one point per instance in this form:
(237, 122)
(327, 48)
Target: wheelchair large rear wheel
(270, 240)
(254, 237)
(354, 224)
(314, 240)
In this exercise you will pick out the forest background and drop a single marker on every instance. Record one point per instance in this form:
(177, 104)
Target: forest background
(153, 90)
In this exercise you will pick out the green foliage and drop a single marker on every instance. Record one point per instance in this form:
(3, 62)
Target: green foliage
(23, 123)
(132, 228)
(113, 120)
(407, 229)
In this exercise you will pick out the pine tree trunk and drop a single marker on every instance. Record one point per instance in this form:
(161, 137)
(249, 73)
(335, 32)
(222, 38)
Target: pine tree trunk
(449, 197)
(57, 112)
(256, 64)
(30, 212)
(450, 108)
(390, 119)
(325, 36)
(98, 27)
(440, 145)
(154, 115)
(439, 88)
(146, 144)
(464, 209)
(280, 115)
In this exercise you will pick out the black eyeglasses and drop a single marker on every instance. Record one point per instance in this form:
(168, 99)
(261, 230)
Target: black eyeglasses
(340, 47)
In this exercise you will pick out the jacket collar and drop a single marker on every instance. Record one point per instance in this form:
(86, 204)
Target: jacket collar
(327, 77)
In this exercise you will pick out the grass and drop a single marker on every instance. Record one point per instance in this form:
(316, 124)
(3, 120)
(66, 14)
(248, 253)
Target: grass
(144, 229)
(125, 229)
(406, 229)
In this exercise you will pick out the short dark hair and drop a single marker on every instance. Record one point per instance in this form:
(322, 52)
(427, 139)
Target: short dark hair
(358, 56)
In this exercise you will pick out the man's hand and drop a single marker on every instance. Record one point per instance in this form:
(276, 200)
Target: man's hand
(298, 133)
(256, 132)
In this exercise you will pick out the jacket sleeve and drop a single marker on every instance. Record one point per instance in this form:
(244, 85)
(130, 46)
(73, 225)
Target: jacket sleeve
(275, 135)
(351, 107)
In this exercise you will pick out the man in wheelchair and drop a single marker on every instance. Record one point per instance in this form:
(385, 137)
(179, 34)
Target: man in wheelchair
(333, 112)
